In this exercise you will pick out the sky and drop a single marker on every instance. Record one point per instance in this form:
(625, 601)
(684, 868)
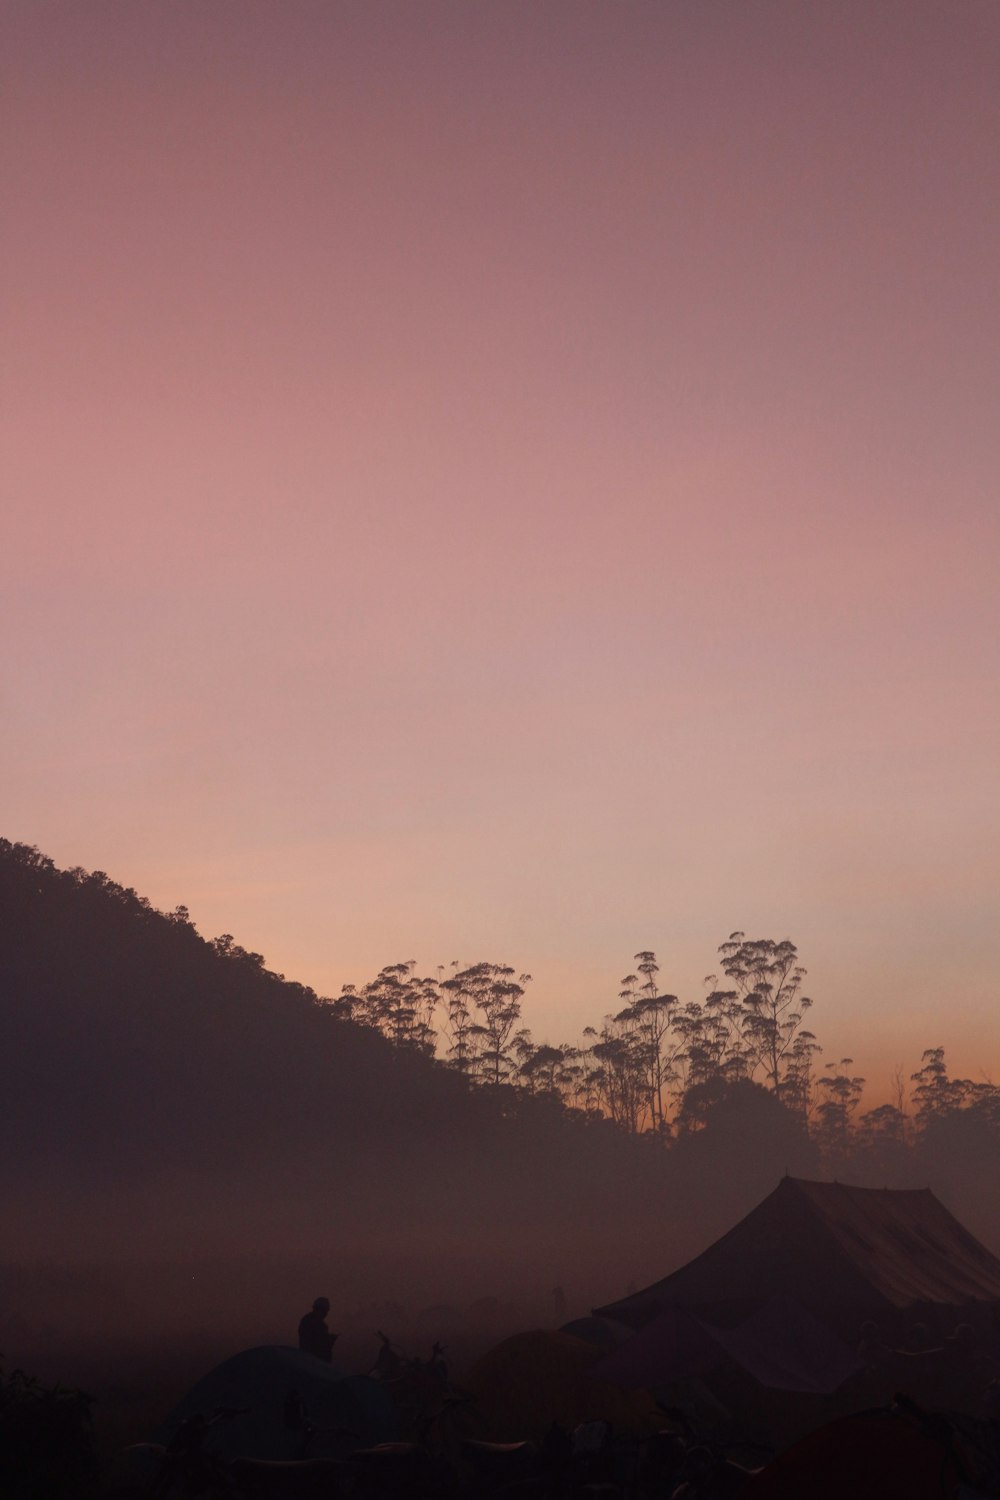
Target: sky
(516, 480)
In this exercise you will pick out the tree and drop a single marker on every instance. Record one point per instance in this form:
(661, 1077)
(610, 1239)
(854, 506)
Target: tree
(620, 1074)
(797, 1086)
(936, 1095)
(228, 948)
(460, 1043)
(399, 1004)
(768, 980)
(490, 993)
(544, 1069)
(648, 968)
(744, 1129)
(650, 1017)
(983, 1103)
(881, 1127)
(588, 1087)
(841, 1095)
(713, 1053)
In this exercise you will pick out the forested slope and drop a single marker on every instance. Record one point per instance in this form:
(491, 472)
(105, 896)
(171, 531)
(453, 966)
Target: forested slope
(167, 1093)
(168, 1096)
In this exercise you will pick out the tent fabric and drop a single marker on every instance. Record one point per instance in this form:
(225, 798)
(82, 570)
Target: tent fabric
(782, 1346)
(829, 1246)
(786, 1349)
(673, 1347)
(260, 1380)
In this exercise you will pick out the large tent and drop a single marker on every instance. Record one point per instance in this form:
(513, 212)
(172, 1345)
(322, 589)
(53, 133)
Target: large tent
(832, 1248)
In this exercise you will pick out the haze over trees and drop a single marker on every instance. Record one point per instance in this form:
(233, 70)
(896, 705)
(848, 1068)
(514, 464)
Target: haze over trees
(663, 1067)
(169, 1095)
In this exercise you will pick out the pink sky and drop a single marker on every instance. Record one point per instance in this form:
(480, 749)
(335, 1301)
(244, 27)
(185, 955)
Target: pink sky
(516, 479)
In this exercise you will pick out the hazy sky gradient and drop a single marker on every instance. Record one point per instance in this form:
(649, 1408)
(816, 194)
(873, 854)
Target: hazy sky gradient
(516, 481)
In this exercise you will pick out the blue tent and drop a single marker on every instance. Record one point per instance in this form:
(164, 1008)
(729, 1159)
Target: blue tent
(345, 1411)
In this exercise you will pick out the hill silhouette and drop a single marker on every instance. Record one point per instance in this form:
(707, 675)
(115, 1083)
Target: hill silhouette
(172, 1096)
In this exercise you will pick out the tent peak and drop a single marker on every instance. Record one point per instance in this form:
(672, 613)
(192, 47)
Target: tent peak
(832, 1246)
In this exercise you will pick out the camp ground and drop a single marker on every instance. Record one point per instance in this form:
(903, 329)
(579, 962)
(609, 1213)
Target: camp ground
(774, 1364)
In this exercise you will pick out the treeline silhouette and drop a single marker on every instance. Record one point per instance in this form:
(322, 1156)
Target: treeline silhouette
(663, 1066)
(166, 1094)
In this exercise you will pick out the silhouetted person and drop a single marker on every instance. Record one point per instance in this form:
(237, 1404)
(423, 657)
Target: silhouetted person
(314, 1336)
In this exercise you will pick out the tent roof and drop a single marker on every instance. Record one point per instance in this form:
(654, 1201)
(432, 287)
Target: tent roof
(830, 1246)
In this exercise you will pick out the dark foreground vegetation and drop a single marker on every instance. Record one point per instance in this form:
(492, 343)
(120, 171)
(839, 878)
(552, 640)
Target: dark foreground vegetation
(526, 1422)
(47, 1446)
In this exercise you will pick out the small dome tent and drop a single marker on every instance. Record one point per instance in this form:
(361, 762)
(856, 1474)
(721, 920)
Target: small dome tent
(343, 1410)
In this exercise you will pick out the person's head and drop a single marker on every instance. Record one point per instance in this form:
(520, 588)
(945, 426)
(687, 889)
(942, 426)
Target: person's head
(321, 1306)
